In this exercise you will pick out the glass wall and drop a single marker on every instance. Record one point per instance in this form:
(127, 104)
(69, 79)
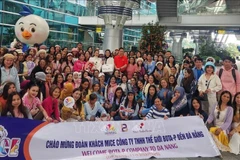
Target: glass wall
(131, 38)
(209, 7)
(62, 18)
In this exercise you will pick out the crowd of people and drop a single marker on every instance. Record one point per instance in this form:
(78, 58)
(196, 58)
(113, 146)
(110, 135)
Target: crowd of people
(118, 85)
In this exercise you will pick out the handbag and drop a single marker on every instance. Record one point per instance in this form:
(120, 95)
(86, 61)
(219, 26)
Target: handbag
(205, 95)
(107, 68)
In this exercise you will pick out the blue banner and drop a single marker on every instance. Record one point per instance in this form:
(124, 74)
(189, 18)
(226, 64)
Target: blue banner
(13, 133)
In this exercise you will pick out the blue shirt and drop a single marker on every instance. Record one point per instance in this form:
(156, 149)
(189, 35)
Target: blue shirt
(197, 73)
(149, 67)
(89, 112)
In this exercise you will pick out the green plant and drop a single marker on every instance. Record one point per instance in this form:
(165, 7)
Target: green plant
(153, 37)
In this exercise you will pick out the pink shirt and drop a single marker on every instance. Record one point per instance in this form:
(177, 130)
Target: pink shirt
(31, 105)
(79, 66)
(130, 70)
(228, 82)
(51, 107)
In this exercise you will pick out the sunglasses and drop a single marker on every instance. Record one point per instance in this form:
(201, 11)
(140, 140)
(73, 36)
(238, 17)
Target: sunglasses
(210, 60)
(218, 114)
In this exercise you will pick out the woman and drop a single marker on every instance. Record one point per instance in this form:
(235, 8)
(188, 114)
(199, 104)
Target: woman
(41, 54)
(149, 64)
(33, 103)
(68, 62)
(39, 68)
(57, 63)
(164, 93)
(157, 111)
(234, 143)
(8, 72)
(221, 116)
(58, 80)
(179, 103)
(108, 59)
(131, 68)
(196, 109)
(172, 82)
(150, 82)
(97, 62)
(85, 90)
(139, 96)
(118, 99)
(124, 84)
(160, 72)
(76, 113)
(189, 84)
(171, 63)
(110, 90)
(15, 108)
(79, 64)
(7, 90)
(149, 101)
(140, 68)
(50, 104)
(67, 91)
(129, 108)
(209, 84)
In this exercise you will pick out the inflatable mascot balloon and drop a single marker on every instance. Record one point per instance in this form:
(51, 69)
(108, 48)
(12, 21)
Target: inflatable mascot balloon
(31, 29)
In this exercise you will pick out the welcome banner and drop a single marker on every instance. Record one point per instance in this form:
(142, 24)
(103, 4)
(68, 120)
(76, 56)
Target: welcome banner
(176, 137)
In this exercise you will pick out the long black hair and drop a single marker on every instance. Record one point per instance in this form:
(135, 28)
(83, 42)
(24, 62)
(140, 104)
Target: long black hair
(134, 102)
(6, 88)
(234, 104)
(200, 105)
(220, 100)
(56, 79)
(152, 99)
(78, 102)
(115, 95)
(174, 61)
(84, 91)
(9, 107)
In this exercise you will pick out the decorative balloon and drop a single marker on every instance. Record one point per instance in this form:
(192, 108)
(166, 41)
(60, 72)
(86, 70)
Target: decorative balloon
(30, 28)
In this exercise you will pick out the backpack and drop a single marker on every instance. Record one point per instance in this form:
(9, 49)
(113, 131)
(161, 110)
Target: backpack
(233, 74)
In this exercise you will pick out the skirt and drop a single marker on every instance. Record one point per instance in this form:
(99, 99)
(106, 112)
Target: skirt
(234, 144)
(221, 140)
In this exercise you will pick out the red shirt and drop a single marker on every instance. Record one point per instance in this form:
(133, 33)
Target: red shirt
(120, 62)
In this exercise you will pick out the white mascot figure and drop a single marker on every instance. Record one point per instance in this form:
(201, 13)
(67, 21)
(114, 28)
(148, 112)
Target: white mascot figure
(31, 29)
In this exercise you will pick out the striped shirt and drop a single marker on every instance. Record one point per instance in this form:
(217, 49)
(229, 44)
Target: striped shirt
(154, 113)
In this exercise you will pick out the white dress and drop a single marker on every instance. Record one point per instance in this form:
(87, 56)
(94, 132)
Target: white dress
(234, 143)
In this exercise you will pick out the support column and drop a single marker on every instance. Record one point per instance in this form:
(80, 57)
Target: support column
(115, 14)
(177, 45)
(196, 41)
(113, 38)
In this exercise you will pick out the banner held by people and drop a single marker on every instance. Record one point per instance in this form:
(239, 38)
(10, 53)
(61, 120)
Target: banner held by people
(175, 137)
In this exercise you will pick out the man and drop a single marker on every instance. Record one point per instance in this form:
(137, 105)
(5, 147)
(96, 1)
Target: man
(167, 55)
(229, 76)
(121, 61)
(198, 69)
(79, 47)
(94, 109)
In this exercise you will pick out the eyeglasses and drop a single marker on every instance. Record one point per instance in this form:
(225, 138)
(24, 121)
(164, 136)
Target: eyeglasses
(210, 60)
(218, 114)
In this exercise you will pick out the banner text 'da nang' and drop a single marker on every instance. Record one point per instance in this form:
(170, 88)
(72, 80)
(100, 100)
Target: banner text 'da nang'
(175, 137)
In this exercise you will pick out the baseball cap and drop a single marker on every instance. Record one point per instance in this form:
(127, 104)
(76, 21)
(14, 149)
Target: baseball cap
(101, 74)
